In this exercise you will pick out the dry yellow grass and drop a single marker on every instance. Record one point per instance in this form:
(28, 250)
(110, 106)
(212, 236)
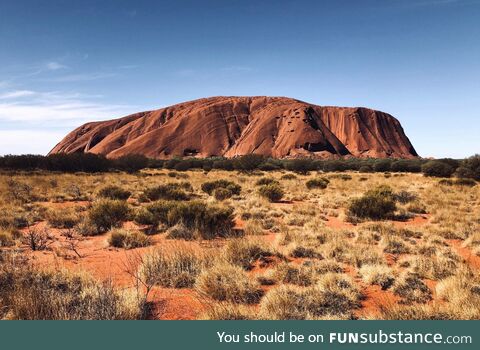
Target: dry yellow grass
(316, 264)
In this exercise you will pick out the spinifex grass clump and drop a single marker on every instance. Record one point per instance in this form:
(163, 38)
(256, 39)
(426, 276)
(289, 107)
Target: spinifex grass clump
(172, 191)
(272, 192)
(207, 220)
(114, 192)
(121, 238)
(376, 204)
(175, 268)
(107, 213)
(211, 186)
(320, 183)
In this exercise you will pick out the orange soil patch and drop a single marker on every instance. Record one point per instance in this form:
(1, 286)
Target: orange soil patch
(374, 300)
(470, 258)
(336, 223)
(62, 205)
(175, 304)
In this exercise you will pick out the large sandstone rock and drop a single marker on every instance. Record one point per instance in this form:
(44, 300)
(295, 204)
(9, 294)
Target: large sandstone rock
(232, 126)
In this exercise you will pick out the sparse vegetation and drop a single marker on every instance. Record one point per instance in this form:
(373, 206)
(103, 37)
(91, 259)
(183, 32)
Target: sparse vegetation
(272, 192)
(308, 255)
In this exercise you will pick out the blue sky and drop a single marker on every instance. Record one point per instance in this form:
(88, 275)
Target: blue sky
(63, 63)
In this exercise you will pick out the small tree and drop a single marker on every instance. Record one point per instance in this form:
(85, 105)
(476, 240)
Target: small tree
(436, 168)
(470, 168)
(300, 166)
(248, 162)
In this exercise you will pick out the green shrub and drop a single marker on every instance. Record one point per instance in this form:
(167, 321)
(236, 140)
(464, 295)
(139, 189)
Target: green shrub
(288, 177)
(221, 194)
(172, 191)
(208, 220)
(272, 192)
(266, 181)
(107, 213)
(210, 186)
(62, 218)
(382, 165)
(131, 162)
(375, 204)
(180, 231)
(114, 192)
(321, 183)
(465, 182)
(436, 168)
(365, 169)
(120, 238)
(469, 168)
(248, 162)
(300, 166)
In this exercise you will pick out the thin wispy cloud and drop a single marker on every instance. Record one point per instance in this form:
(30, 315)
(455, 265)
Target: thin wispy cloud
(54, 66)
(81, 77)
(53, 108)
(16, 94)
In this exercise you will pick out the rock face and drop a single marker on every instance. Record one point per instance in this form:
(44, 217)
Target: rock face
(231, 126)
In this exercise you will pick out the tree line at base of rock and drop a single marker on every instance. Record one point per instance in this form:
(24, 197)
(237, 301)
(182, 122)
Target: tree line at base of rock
(91, 163)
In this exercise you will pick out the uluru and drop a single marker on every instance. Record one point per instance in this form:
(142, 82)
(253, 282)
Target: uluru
(277, 127)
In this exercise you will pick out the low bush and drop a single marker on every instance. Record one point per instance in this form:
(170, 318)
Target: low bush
(271, 192)
(172, 191)
(120, 238)
(225, 282)
(180, 231)
(221, 194)
(412, 289)
(377, 274)
(62, 218)
(210, 186)
(208, 220)
(333, 297)
(30, 294)
(107, 213)
(375, 204)
(242, 252)
(114, 192)
(266, 181)
(288, 177)
(302, 275)
(321, 183)
(176, 268)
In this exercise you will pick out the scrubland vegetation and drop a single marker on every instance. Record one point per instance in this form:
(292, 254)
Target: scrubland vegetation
(251, 238)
